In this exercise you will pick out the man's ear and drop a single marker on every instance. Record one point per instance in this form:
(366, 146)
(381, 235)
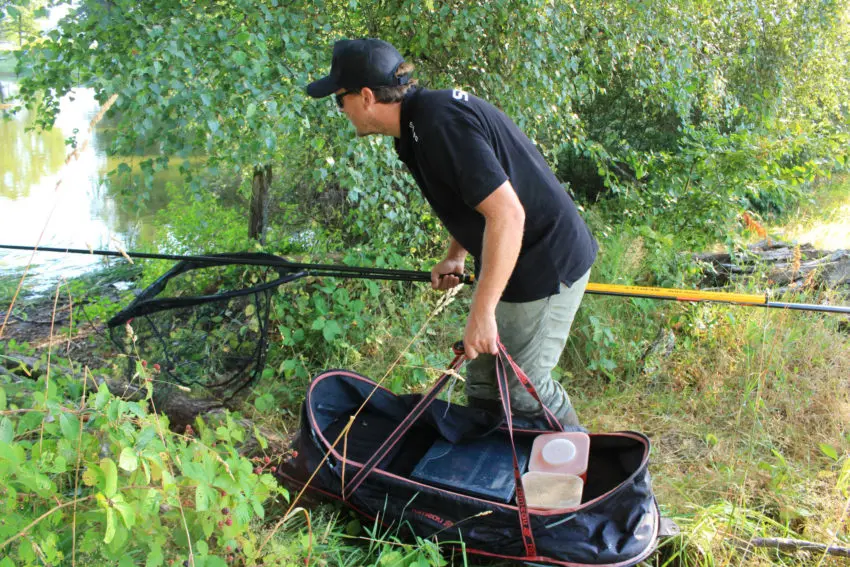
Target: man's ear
(368, 96)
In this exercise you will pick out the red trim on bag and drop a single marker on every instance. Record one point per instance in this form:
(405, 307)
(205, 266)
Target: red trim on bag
(474, 551)
(533, 511)
(633, 561)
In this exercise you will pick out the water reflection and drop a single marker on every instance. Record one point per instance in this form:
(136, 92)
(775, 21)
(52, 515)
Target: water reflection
(74, 205)
(27, 157)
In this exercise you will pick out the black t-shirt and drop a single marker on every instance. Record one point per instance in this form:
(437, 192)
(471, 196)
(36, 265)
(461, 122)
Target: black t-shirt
(460, 149)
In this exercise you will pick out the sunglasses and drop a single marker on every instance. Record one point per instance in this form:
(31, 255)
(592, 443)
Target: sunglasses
(340, 98)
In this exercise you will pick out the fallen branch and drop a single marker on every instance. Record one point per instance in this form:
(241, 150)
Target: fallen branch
(791, 545)
(782, 264)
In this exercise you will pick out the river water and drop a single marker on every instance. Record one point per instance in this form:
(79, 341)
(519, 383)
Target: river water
(45, 201)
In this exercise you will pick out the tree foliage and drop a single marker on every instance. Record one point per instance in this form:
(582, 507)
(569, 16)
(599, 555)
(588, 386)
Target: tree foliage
(654, 102)
(18, 20)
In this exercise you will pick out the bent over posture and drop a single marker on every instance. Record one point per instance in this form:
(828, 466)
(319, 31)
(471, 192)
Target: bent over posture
(500, 202)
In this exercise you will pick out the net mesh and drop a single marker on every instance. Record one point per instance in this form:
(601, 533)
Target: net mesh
(202, 325)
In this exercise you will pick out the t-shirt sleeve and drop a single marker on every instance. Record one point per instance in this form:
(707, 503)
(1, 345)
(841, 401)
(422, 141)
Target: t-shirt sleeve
(463, 158)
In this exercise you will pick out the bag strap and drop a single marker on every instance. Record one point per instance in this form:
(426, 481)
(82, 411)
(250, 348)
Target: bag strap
(553, 422)
(504, 392)
(521, 502)
(402, 427)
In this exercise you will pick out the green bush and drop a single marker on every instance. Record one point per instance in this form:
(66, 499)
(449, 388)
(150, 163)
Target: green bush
(95, 478)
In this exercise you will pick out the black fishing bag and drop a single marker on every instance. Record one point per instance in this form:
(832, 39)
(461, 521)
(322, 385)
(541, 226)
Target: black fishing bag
(369, 466)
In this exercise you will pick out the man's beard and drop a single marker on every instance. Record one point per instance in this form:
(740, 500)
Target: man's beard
(366, 130)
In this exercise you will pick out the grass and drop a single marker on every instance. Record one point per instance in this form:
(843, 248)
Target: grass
(748, 416)
(825, 222)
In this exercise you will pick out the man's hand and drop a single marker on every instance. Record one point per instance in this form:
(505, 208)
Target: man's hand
(481, 334)
(441, 274)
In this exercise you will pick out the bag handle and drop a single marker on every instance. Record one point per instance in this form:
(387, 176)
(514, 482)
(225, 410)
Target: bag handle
(405, 424)
(521, 502)
(529, 387)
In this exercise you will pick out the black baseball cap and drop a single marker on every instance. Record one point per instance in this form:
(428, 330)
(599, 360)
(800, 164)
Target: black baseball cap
(359, 63)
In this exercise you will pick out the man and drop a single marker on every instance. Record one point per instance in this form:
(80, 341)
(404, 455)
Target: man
(500, 202)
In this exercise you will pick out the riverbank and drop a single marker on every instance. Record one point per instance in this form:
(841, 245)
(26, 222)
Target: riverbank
(71, 309)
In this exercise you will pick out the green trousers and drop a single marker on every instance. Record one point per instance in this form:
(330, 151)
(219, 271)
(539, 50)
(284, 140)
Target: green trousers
(534, 334)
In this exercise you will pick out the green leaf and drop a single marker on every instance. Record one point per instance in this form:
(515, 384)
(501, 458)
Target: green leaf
(204, 496)
(110, 474)
(127, 511)
(239, 57)
(251, 110)
(258, 508)
(102, 397)
(265, 402)
(2, 399)
(7, 430)
(146, 436)
(242, 513)
(129, 460)
(110, 525)
(331, 330)
(70, 426)
(260, 439)
(155, 557)
(829, 451)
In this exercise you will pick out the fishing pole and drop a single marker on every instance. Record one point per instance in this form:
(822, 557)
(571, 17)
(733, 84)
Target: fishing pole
(330, 270)
(690, 295)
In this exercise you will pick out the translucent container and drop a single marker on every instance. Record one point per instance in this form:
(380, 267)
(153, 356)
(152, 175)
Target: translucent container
(552, 491)
(564, 453)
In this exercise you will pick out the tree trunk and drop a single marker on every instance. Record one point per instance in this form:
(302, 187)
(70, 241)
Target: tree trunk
(260, 202)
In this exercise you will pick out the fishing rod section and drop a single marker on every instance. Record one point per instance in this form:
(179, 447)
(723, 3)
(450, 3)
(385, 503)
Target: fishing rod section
(266, 260)
(331, 270)
(693, 296)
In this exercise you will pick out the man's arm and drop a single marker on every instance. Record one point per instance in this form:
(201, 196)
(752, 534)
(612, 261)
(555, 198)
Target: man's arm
(504, 222)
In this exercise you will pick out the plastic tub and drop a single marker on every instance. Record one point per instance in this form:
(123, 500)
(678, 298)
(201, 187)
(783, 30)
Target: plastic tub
(552, 491)
(564, 453)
